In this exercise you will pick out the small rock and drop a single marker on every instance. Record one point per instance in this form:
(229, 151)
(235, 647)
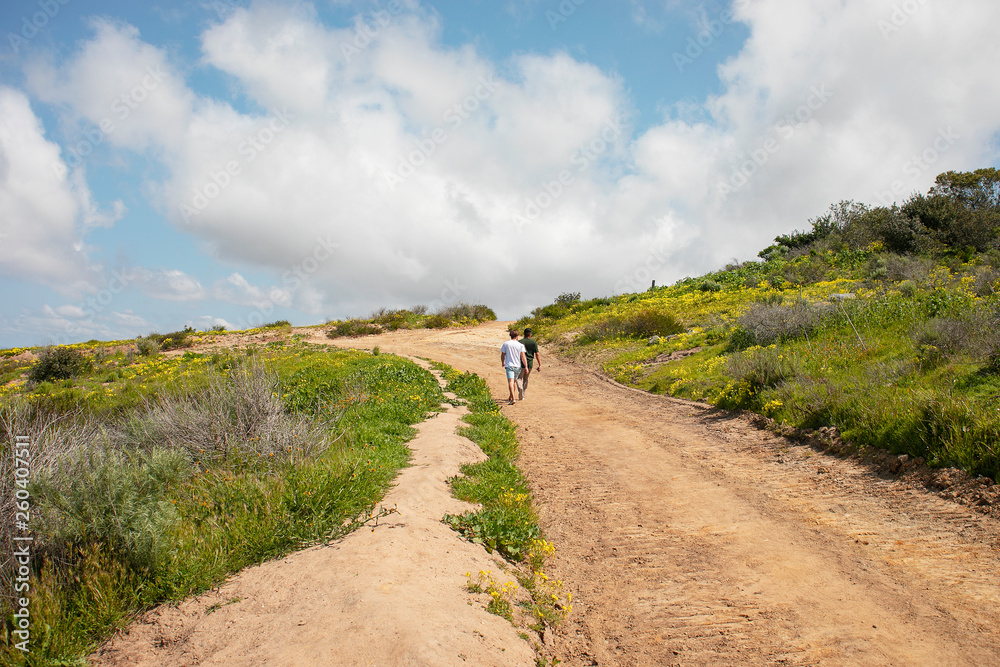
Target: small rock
(653, 340)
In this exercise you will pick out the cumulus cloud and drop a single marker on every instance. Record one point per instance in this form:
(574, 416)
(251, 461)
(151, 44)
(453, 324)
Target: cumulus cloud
(406, 171)
(166, 284)
(42, 211)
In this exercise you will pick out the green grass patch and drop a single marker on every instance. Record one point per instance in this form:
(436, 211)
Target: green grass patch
(507, 522)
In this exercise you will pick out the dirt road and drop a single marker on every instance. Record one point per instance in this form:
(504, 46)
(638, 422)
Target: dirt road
(688, 537)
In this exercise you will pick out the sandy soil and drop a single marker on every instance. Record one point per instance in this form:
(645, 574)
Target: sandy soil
(686, 535)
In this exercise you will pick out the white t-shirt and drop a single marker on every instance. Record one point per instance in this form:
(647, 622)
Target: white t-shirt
(512, 350)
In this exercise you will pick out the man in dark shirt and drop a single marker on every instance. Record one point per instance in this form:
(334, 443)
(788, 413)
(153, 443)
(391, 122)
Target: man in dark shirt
(531, 354)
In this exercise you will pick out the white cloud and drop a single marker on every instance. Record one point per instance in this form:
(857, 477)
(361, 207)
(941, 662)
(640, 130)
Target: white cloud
(394, 176)
(40, 209)
(166, 284)
(120, 89)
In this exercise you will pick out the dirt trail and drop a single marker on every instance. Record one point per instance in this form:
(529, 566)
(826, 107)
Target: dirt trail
(686, 536)
(689, 537)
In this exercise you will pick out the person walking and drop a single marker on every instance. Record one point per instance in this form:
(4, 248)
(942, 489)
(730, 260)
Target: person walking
(531, 354)
(512, 359)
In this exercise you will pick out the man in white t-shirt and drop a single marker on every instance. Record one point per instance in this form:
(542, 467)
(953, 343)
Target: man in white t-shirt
(513, 360)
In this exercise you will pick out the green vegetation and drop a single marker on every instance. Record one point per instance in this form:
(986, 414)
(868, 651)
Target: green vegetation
(881, 321)
(507, 522)
(59, 363)
(153, 478)
(385, 319)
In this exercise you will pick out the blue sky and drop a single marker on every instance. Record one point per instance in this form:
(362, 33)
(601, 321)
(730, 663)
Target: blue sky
(232, 162)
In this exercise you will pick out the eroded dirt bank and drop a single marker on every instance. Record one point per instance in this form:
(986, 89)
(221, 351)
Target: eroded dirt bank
(689, 537)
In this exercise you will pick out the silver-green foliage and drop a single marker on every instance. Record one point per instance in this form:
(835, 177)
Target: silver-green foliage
(96, 494)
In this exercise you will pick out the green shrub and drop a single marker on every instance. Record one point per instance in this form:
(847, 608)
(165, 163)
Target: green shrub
(710, 286)
(764, 324)
(437, 322)
(567, 298)
(760, 367)
(146, 346)
(353, 328)
(468, 312)
(58, 363)
(642, 323)
(95, 495)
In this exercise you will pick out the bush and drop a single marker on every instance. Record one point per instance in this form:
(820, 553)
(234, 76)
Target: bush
(353, 328)
(710, 286)
(58, 363)
(759, 367)
(240, 415)
(468, 312)
(640, 324)
(763, 324)
(96, 495)
(567, 298)
(437, 322)
(146, 346)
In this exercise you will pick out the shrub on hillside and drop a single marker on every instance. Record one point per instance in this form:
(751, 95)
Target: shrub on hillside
(58, 363)
(567, 298)
(760, 367)
(640, 324)
(763, 323)
(353, 328)
(146, 346)
(468, 312)
(240, 415)
(96, 495)
(975, 334)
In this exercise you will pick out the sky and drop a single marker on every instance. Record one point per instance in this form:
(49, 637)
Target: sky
(235, 162)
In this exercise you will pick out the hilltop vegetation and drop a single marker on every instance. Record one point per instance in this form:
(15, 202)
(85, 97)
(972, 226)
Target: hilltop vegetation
(883, 322)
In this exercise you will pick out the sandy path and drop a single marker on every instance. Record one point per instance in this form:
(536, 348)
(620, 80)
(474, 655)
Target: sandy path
(689, 537)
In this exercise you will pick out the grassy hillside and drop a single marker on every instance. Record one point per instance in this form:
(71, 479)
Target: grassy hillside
(882, 322)
(152, 477)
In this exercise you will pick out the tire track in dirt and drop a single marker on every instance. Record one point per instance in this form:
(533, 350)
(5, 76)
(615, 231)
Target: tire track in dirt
(689, 537)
